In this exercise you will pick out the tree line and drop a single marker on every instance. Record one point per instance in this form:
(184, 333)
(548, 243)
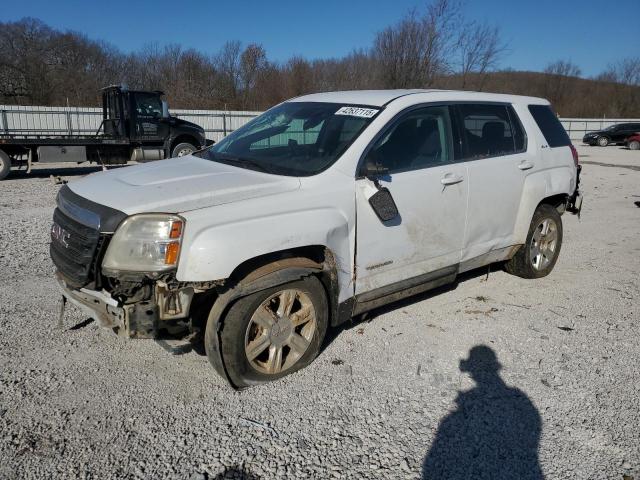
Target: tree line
(436, 47)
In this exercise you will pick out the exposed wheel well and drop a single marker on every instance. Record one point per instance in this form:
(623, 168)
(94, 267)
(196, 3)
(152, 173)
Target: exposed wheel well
(559, 201)
(313, 256)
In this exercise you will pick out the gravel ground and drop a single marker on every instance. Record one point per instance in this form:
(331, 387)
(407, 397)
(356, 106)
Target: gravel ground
(513, 377)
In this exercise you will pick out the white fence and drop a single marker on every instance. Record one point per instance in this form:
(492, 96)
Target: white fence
(217, 124)
(32, 120)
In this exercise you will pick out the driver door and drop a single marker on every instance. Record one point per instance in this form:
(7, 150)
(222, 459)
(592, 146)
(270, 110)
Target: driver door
(149, 126)
(430, 190)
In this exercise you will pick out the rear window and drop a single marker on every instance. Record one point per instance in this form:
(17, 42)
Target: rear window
(553, 131)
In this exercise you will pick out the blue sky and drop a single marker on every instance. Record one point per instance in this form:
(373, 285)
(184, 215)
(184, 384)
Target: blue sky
(589, 33)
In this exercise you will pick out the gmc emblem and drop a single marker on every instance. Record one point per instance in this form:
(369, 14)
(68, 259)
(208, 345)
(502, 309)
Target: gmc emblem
(60, 235)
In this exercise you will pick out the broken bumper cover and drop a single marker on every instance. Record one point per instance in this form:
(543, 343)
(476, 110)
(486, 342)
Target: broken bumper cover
(574, 205)
(137, 320)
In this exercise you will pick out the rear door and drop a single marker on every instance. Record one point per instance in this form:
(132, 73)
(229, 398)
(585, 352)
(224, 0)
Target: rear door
(494, 146)
(430, 192)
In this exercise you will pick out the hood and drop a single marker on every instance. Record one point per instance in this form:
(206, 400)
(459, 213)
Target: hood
(179, 122)
(178, 185)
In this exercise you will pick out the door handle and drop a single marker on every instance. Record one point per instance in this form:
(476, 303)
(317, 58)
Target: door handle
(525, 165)
(450, 179)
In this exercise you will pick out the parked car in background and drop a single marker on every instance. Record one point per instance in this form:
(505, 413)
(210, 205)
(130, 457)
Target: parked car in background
(616, 134)
(633, 142)
(322, 208)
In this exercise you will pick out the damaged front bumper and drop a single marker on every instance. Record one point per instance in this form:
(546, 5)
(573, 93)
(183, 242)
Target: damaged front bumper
(164, 316)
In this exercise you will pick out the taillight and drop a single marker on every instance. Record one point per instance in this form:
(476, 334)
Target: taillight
(574, 152)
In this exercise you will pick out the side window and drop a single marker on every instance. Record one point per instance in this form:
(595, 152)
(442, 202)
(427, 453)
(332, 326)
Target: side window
(148, 105)
(420, 139)
(489, 130)
(519, 135)
(553, 131)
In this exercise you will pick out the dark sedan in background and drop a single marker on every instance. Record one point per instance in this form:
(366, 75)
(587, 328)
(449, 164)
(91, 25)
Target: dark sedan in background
(616, 134)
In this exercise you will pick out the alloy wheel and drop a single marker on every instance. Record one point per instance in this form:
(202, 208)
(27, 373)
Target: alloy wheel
(543, 244)
(280, 331)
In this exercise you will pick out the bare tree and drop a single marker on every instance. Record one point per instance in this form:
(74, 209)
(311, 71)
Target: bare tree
(418, 48)
(625, 71)
(480, 48)
(227, 62)
(558, 81)
(253, 62)
(431, 47)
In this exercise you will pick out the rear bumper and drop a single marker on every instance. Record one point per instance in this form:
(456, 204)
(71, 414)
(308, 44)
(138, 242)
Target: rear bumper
(574, 204)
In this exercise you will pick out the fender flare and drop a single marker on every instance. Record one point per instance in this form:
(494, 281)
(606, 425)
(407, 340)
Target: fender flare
(270, 275)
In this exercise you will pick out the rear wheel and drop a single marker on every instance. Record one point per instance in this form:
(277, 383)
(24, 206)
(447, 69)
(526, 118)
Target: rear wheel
(537, 257)
(5, 165)
(603, 141)
(274, 332)
(634, 145)
(182, 149)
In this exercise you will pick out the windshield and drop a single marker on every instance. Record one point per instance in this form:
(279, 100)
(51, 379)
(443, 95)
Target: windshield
(295, 138)
(611, 128)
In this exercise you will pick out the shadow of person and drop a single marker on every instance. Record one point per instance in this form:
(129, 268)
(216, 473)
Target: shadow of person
(493, 433)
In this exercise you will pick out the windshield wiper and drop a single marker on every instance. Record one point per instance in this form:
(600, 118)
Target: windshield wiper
(239, 161)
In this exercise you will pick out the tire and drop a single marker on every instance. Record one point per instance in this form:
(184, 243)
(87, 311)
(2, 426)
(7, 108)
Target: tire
(603, 141)
(634, 145)
(182, 149)
(5, 165)
(532, 260)
(245, 334)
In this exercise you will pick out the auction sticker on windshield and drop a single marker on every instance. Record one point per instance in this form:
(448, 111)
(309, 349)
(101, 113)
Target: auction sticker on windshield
(357, 112)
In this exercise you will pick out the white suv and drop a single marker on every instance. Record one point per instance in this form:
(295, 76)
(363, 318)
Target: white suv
(324, 207)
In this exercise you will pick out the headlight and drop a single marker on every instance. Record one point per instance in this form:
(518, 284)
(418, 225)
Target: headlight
(145, 243)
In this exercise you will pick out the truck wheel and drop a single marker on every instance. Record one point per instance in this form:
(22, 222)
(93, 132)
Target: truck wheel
(603, 141)
(634, 145)
(5, 165)
(537, 257)
(274, 332)
(182, 149)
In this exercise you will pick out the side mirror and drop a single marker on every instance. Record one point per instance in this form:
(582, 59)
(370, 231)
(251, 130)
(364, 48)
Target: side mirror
(165, 109)
(383, 204)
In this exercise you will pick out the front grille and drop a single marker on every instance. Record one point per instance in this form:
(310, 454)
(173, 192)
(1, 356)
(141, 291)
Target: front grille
(73, 248)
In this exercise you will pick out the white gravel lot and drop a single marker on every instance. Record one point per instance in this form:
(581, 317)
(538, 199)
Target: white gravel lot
(386, 398)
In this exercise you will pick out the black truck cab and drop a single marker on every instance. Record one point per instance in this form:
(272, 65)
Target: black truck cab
(143, 118)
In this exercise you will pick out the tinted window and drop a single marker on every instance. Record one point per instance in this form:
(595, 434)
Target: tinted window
(553, 131)
(148, 105)
(294, 138)
(489, 130)
(420, 139)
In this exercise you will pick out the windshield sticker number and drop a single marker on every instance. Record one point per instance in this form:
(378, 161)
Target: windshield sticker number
(357, 112)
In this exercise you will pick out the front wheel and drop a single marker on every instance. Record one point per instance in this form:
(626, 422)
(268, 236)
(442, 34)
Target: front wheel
(182, 149)
(634, 145)
(603, 141)
(537, 257)
(274, 332)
